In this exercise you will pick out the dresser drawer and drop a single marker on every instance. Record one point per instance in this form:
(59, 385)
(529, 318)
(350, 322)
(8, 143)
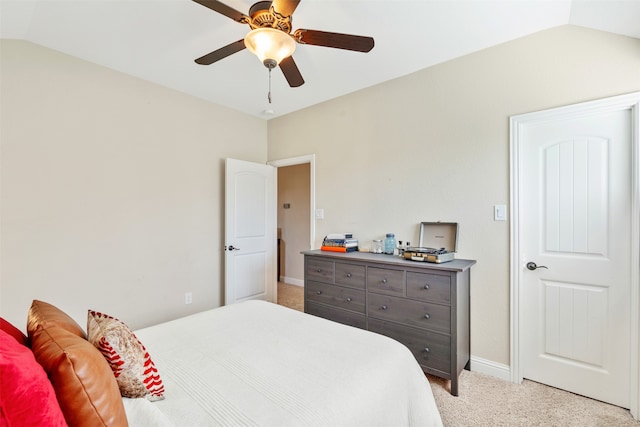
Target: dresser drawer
(320, 269)
(350, 275)
(386, 280)
(409, 312)
(429, 287)
(431, 350)
(341, 316)
(349, 299)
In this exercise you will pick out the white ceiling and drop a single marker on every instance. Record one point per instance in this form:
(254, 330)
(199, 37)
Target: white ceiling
(158, 40)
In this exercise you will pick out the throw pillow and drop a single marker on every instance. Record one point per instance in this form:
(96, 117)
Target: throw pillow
(45, 314)
(84, 384)
(27, 397)
(135, 372)
(13, 331)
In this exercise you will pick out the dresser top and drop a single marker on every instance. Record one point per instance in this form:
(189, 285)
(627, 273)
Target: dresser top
(455, 265)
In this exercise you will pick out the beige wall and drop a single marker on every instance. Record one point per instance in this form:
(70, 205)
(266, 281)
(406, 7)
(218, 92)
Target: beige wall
(434, 145)
(293, 188)
(111, 189)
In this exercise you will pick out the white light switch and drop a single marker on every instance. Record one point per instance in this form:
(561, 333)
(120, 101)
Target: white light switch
(319, 213)
(500, 213)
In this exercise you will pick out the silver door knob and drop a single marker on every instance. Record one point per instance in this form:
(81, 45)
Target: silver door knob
(532, 266)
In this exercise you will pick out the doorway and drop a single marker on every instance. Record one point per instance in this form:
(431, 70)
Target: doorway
(575, 249)
(296, 225)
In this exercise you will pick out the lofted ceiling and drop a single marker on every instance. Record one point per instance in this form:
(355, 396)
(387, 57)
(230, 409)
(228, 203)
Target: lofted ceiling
(158, 40)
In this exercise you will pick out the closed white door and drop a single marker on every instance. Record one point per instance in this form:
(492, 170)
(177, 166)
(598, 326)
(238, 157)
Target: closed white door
(250, 232)
(575, 227)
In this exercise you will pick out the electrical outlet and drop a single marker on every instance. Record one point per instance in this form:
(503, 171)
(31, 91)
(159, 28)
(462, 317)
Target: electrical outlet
(188, 298)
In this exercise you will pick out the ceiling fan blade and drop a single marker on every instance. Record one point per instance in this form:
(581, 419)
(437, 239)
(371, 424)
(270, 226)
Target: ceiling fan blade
(336, 40)
(221, 53)
(285, 7)
(224, 10)
(291, 72)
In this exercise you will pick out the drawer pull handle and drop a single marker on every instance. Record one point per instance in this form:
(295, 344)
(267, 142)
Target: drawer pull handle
(426, 316)
(426, 349)
(384, 280)
(384, 307)
(348, 274)
(319, 292)
(318, 270)
(426, 287)
(349, 299)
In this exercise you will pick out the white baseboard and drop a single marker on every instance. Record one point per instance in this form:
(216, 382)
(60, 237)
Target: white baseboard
(489, 367)
(291, 281)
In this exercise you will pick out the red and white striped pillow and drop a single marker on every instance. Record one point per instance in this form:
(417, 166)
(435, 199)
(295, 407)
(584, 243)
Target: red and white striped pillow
(135, 372)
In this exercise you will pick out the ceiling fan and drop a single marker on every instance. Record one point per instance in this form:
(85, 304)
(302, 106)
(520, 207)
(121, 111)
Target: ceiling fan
(271, 38)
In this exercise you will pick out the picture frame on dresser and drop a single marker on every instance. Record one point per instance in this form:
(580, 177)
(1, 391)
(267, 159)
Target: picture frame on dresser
(425, 306)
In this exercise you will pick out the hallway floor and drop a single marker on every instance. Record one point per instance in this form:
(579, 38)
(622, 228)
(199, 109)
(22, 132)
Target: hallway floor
(291, 296)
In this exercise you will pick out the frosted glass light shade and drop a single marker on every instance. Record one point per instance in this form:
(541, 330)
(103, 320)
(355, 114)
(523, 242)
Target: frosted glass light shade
(270, 44)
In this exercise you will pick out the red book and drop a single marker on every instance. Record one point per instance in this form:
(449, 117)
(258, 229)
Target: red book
(338, 248)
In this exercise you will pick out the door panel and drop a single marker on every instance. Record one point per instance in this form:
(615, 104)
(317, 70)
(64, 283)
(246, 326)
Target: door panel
(575, 224)
(574, 320)
(250, 232)
(575, 196)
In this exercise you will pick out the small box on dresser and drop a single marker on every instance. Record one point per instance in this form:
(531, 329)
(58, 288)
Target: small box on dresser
(424, 306)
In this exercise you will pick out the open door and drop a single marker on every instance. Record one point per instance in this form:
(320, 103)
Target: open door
(250, 232)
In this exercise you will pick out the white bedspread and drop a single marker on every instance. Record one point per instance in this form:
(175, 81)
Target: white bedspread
(259, 364)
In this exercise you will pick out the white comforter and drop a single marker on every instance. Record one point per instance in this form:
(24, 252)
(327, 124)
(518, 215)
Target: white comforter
(259, 364)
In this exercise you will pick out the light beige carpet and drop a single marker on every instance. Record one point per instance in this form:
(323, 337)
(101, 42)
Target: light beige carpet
(488, 401)
(291, 296)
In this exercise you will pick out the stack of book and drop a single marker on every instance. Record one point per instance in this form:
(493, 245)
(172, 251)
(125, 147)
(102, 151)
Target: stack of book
(339, 243)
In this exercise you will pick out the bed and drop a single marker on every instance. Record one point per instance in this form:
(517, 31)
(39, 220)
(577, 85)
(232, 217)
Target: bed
(259, 364)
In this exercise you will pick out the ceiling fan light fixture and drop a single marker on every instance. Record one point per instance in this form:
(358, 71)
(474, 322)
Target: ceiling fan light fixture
(270, 45)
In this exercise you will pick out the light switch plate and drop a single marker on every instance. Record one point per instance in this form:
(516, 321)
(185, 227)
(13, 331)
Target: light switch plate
(500, 213)
(319, 213)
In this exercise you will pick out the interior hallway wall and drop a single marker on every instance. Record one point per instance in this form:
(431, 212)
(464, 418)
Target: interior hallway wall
(294, 221)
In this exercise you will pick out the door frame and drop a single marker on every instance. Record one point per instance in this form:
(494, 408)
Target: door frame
(623, 102)
(299, 160)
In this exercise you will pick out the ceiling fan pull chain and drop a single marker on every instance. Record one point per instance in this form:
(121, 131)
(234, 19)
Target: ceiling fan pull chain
(269, 95)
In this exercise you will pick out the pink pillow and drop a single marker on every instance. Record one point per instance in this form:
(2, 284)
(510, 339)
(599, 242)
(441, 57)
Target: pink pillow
(135, 372)
(13, 331)
(27, 397)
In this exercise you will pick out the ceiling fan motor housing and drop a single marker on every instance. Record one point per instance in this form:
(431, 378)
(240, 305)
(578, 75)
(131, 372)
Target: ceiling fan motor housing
(262, 15)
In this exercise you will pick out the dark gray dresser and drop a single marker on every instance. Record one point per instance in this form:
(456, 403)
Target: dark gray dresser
(424, 306)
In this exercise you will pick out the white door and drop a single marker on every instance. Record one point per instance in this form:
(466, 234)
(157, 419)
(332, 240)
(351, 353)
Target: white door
(250, 232)
(575, 193)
